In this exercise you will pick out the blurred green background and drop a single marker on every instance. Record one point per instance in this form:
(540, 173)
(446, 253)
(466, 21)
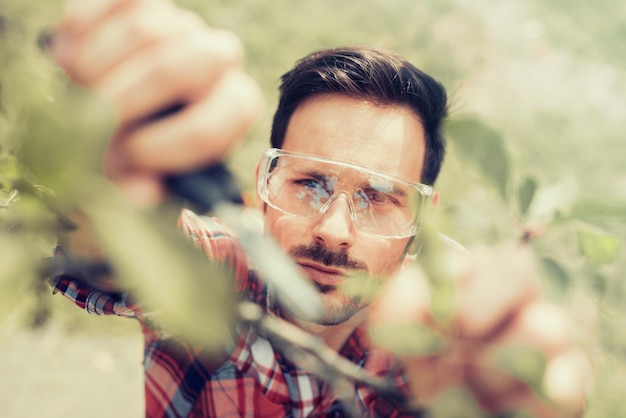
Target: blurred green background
(537, 110)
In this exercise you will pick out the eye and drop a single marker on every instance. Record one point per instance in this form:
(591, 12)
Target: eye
(380, 198)
(308, 183)
(377, 198)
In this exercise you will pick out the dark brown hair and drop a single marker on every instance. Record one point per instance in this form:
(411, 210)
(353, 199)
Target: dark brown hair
(375, 75)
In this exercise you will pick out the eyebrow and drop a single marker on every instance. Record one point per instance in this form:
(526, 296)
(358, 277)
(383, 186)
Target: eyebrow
(394, 190)
(313, 173)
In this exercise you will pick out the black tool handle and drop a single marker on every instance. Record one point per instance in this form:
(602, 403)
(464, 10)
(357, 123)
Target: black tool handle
(204, 188)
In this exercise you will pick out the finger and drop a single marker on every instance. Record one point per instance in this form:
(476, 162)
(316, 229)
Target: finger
(532, 366)
(567, 380)
(522, 351)
(404, 299)
(150, 81)
(79, 16)
(495, 390)
(497, 283)
(136, 27)
(430, 376)
(199, 134)
(541, 325)
(498, 392)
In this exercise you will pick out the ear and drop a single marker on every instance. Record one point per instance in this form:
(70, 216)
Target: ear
(414, 245)
(260, 204)
(434, 202)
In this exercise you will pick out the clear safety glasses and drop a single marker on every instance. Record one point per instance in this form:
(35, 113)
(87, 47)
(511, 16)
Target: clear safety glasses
(306, 186)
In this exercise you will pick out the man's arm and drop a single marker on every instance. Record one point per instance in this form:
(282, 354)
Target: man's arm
(145, 57)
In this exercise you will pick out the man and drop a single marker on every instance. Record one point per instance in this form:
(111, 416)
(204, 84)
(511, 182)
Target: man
(356, 148)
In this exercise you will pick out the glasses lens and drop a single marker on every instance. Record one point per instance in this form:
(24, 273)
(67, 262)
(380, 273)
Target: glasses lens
(305, 185)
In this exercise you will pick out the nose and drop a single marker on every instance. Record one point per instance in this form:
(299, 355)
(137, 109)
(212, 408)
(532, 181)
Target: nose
(335, 226)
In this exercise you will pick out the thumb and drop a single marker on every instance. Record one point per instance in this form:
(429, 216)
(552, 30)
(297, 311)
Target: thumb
(405, 298)
(399, 318)
(400, 322)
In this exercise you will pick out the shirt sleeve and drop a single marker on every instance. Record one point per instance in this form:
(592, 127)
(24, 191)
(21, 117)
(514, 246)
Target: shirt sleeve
(73, 286)
(216, 240)
(219, 244)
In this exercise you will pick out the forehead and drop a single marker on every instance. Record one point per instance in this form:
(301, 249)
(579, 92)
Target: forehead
(385, 138)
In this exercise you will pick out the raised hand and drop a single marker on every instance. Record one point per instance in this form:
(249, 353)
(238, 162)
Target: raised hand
(147, 57)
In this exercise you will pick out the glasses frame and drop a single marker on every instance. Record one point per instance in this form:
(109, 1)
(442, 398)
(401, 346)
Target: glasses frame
(270, 154)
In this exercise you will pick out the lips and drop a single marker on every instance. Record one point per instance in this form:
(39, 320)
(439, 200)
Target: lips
(322, 275)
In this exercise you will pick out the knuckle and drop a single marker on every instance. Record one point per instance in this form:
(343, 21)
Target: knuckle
(153, 21)
(567, 379)
(249, 94)
(228, 45)
(144, 27)
(546, 326)
(190, 20)
(158, 75)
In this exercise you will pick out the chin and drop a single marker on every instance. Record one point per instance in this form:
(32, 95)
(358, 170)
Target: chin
(339, 309)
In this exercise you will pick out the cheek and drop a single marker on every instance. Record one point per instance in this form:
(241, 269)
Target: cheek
(287, 230)
(384, 258)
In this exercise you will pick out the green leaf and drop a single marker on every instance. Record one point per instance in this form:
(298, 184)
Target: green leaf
(484, 147)
(10, 171)
(552, 200)
(434, 259)
(556, 274)
(455, 403)
(599, 282)
(408, 339)
(184, 293)
(64, 140)
(597, 246)
(525, 194)
(362, 286)
(15, 270)
(598, 211)
(523, 362)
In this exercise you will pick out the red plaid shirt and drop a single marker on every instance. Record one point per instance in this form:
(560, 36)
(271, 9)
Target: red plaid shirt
(256, 380)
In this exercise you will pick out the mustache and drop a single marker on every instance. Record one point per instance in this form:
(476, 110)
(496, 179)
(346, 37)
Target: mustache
(321, 254)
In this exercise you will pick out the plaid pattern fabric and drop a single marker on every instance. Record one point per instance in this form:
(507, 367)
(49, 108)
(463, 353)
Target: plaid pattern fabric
(256, 380)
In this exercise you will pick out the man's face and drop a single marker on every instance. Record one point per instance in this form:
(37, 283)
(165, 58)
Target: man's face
(330, 247)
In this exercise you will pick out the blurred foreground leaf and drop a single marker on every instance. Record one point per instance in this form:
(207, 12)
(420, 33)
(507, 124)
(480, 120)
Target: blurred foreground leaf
(65, 139)
(485, 148)
(455, 404)
(15, 274)
(556, 274)
(525, 194)
(599, 211)
(440, 268)
(597, 246)
(408, 339)
(362, 286)
(10, 172)
(523, 362)
(552, 200)
(183, 292)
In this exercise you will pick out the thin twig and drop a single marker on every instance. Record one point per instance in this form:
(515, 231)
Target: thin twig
(13, 195)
